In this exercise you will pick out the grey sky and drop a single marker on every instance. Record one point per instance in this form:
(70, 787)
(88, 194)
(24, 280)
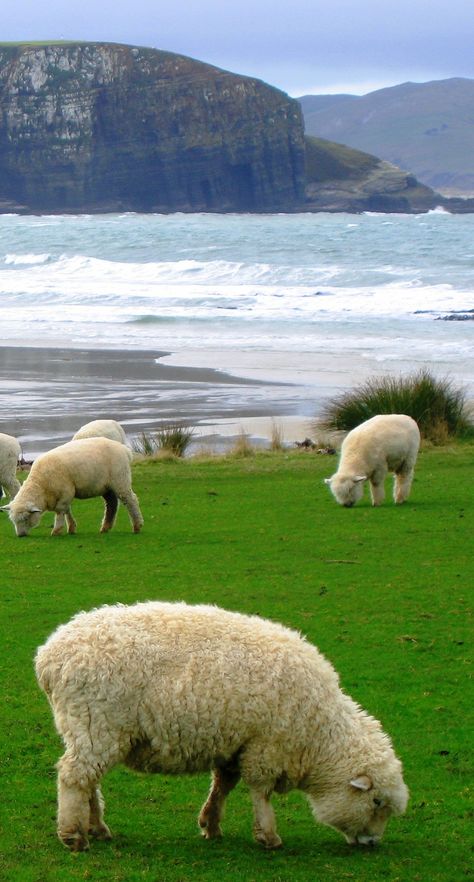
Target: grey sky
(301, 46)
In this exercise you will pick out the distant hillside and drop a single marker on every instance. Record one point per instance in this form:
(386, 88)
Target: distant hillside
(424, 128)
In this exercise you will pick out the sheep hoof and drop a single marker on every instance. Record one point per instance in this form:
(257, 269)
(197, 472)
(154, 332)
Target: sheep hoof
(211, 833)
(100, 831)
(76, 841)
(209, 830)
(268, 840)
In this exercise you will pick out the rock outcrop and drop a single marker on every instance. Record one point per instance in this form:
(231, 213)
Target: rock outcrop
(340, 178)
(107, 127)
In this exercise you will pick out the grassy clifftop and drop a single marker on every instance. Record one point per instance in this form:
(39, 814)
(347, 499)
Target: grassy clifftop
(340, 178)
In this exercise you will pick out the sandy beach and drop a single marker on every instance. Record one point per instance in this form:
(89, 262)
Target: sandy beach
(46, 394)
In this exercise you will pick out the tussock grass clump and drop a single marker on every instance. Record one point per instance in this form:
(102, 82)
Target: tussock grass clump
(437, 405)
(242, 446)
(276, 441)
(172, 439)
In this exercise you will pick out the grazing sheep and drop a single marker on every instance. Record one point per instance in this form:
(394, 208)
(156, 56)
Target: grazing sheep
(167, 687)
(83, 469)
(102, 429)
(385, 443)
(10, 452)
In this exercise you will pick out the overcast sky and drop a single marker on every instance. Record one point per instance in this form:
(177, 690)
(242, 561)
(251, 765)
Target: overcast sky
(301, 46)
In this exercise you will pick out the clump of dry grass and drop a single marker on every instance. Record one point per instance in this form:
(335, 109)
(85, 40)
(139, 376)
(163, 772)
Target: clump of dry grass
(242, 446)
(276, 441)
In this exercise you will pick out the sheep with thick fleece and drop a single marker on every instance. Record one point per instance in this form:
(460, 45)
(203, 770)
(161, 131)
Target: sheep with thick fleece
(79, 469)
(102, 429)
(10, 452)
(385, 443)
(167, 687)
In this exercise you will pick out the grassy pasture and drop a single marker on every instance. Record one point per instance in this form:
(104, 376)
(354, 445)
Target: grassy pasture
(385, 594)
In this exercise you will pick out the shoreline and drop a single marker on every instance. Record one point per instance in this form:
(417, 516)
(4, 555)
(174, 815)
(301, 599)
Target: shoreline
(48, 392)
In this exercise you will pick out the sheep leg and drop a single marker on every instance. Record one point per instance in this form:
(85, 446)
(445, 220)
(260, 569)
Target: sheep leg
(11, 485)
(97, 827)
(110, 513)
(71, 523)
(59, 519)
(73, 809)
(223, 781)
(377, 486)
(402, 486)
(130, 501)
(264, 828)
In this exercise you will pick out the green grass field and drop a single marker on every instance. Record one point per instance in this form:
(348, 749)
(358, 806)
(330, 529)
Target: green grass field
(384, 593)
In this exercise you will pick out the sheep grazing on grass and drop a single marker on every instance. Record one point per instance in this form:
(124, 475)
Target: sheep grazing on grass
(10, 452)
(385, 443)
(172, 688)
(79, 469)
(102, 429)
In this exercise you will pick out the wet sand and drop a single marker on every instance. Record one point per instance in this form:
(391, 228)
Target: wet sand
(46, 394)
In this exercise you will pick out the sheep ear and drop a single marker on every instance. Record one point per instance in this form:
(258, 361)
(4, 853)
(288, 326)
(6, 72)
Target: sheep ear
(5, 507)
(327, 480)
(363, 782)
(358, 478)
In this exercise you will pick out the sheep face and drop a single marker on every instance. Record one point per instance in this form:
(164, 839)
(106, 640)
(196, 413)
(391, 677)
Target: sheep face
(25, 518)
(359, 809)
(347, 490)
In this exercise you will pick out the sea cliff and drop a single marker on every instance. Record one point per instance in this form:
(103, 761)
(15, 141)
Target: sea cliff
(105, 127)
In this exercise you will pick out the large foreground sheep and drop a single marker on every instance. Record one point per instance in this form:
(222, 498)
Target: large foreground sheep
(166, 687)
(385, 443)
(10, 452)
(79, 469)
(102, 429)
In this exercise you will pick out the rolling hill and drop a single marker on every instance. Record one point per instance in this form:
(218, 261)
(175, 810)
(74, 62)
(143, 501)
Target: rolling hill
(424, 128)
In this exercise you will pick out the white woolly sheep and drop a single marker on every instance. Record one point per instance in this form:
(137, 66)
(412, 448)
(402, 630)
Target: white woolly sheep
(167, 687)
(385, 443)
(82, 469)
(102, 429)
(10, 452)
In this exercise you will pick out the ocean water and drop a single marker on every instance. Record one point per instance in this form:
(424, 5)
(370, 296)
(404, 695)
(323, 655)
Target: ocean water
(313, 300)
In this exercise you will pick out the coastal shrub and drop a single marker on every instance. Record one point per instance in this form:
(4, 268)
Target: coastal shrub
(173, 439)
(437, 405)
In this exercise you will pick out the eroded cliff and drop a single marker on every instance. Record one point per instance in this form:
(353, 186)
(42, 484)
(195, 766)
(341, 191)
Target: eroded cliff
(104, 127)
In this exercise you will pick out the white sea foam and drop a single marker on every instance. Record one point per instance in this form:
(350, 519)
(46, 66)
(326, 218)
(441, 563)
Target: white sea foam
(372, 285)
(19, 259)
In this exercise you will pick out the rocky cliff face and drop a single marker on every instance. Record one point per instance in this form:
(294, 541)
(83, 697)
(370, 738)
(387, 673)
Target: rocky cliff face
(108, 127)
(340, 178)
